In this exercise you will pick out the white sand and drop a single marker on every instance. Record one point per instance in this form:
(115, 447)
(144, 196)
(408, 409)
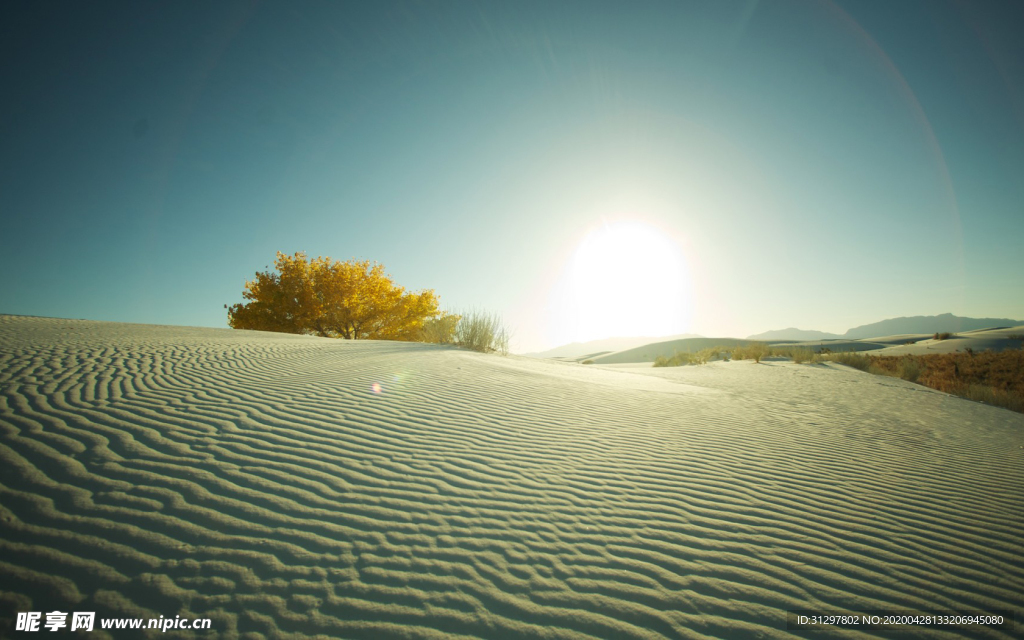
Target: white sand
(259, 480)
(978, 341)
(923, 344)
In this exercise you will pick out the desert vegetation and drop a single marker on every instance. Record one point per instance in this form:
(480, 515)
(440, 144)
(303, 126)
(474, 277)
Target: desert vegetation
(995, 378)
(324, 297)
(440, 329)
(943, 336)
(481, 331)
(800, 355)
(356, 300)
(703, 356)
(851, 359)
(476, 330)
(755, 351)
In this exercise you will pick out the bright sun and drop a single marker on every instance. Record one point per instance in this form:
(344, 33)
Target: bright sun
(628, 279)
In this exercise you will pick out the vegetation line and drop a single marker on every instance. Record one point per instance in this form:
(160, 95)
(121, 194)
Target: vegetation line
(995, 378)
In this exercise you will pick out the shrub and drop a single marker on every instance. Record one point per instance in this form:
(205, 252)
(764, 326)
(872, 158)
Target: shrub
(851, 359)
(802, 355)
(439, 330)
(996, 378)
(754, 351)
(909, 369)
(680, 358)
(798, 354)
(757, 351)
(710, 354)
(991, 395)
(588, 361)
(943, 336)
(324, 297)
(1016, 336)
(482, 332)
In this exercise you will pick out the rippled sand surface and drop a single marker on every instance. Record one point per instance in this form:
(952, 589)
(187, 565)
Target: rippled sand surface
(290, 486)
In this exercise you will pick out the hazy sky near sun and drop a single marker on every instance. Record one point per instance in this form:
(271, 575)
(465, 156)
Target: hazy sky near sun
(734, 166)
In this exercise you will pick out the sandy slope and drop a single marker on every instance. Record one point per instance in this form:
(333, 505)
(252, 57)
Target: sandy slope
(259, 479)
(667, 348)
(978, 341)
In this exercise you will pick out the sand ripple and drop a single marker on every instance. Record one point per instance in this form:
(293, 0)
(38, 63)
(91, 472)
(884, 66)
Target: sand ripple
(291, 486)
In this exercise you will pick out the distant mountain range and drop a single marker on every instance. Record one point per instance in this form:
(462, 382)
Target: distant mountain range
(794, 334)
(580, 349)
(928, 324)
(945, 322)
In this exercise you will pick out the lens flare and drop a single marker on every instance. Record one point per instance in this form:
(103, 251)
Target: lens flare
(377, 388)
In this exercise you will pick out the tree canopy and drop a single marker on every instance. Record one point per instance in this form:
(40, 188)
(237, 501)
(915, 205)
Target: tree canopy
(324, 297)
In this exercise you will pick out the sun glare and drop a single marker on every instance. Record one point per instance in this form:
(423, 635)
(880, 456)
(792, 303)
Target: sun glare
(628, 279)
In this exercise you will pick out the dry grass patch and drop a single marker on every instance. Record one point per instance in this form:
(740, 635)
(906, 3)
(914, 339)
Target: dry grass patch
(703, 356)
(476, 330)
(850, 359)
(755, 351)
(800, 355)
(995, 378)
(482, 331)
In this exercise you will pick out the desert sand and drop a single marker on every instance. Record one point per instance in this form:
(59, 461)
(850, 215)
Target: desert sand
(996, 339)
(291, 486)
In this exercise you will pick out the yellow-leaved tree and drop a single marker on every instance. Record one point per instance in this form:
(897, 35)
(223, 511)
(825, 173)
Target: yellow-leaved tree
(324, 297)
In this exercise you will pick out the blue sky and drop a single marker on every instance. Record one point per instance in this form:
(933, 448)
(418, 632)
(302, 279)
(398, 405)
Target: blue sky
(806, 163)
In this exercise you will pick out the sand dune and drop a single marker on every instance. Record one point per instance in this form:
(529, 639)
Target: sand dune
(978, 341)
(920, 344)
(666, 348)
(290, 486)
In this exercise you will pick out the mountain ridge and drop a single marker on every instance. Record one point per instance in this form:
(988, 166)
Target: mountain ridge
(944, 322)
(792, 333)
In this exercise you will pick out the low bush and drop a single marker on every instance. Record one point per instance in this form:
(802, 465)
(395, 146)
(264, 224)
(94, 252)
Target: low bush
(996, 378)
(943, 336)
(850, 359)
(1011, 400)
(710, 354)
(799, 355)
(703, 356)
(755, 351)
(439, 330)
(481, 331)
(909, 368)
(588, 362)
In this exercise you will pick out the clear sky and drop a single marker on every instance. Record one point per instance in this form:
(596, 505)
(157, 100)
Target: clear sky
(584, 169)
